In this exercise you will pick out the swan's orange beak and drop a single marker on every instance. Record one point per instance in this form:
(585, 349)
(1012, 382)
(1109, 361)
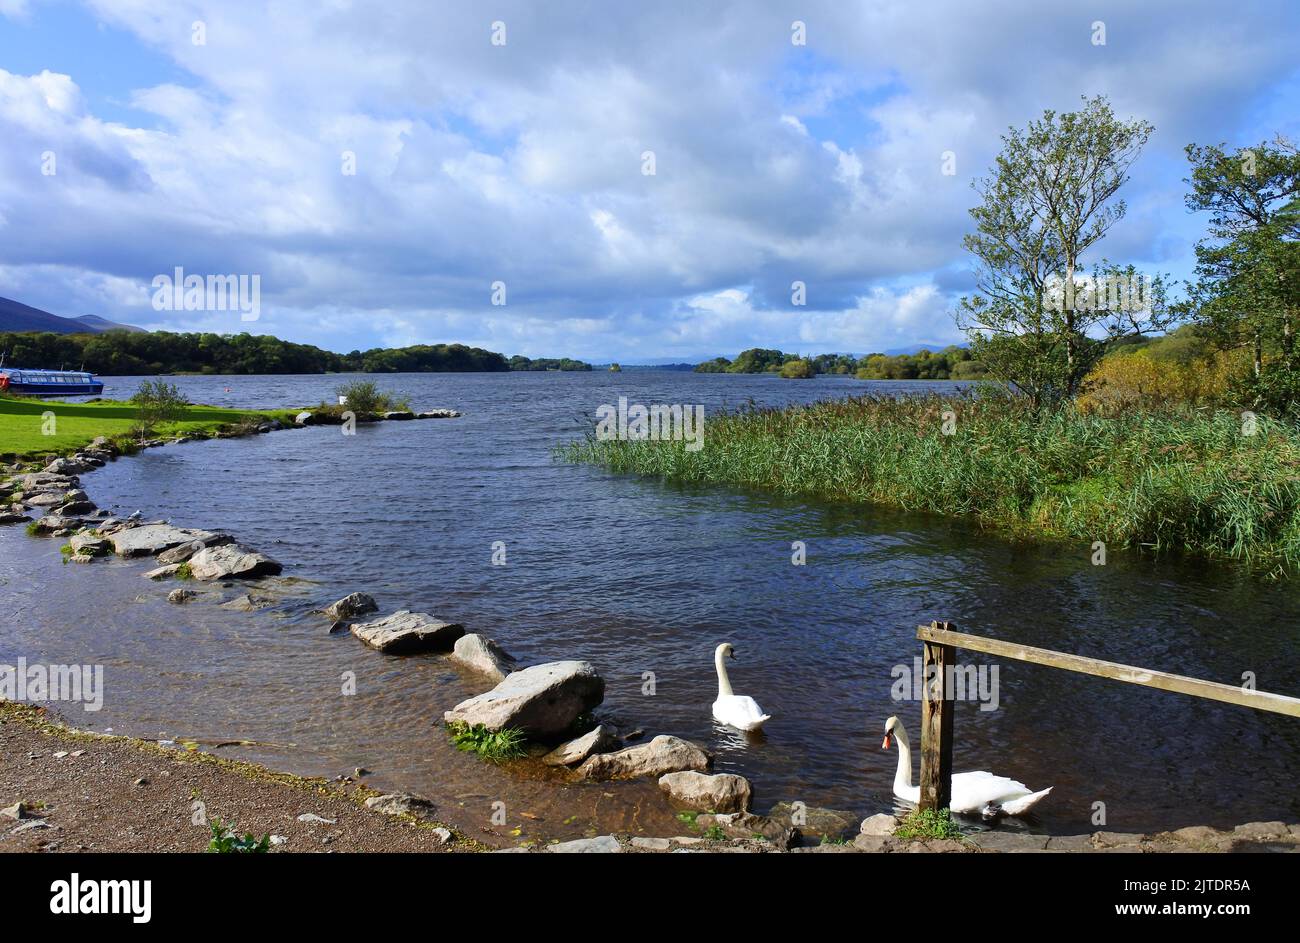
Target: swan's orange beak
(885, 745)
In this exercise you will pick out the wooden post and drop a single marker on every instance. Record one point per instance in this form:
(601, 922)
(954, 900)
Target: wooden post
(936, 723)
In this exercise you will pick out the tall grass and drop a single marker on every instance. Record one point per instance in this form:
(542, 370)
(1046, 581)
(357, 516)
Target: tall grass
(1169, 479)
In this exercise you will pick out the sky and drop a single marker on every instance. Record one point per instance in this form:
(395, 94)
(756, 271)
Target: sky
(500, 152)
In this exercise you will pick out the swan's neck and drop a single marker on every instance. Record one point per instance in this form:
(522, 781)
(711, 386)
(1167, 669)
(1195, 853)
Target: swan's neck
(724, 683)
(903, 778)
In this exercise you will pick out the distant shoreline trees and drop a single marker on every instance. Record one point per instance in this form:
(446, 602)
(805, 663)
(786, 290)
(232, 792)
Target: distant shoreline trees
(125, 353)
(950, 363)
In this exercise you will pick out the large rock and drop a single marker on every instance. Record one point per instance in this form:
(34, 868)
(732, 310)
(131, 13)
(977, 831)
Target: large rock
(354, 604)
(186, 550)
(149, 539)
(66, 466)
(56, 524)
(661, 755)
(399, 415)
(405, 632)
(229, 561)
(403, 803)
(723, 792)
(44, 481)
(601, 740)
(89, 544)
(249, 602)
(483, 655)
(543, 701)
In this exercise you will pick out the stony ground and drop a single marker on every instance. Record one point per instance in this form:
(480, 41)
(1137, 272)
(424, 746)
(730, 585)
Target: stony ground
(84, 792)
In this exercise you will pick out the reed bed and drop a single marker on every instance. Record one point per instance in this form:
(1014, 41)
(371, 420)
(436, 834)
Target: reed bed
(1174, 479)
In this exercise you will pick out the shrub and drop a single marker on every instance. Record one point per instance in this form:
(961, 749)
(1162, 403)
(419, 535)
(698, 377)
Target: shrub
(366, 399)
(797, 370)
(928, 824)
(493, 745)
(225, 841)
(156, 402)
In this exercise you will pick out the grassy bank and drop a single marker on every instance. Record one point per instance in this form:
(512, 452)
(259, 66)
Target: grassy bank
(23, 425)
(1164, 480)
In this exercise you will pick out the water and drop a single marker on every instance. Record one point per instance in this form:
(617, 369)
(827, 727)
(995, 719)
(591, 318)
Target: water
(641, 576)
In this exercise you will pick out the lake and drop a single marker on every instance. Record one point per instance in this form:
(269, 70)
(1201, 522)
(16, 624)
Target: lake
(641, 576)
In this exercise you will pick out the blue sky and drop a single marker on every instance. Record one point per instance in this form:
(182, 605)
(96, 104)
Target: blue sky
(523, 163)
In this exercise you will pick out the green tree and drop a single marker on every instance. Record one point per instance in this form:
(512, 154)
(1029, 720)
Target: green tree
(1049, 200)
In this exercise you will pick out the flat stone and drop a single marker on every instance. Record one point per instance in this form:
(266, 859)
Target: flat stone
(398, 415)
(150, 539)
(814, 822)
(600, 740)
(1261, 831)
(604, 845)
(1070, 843)
(878, 843)
(89, 544)
(720, 792)
(1112, 839)
(544, 701)
(651, 844)
(661, 755)
(1008, 841)
(438, 414)
(229, 561)
(163, 572)
(405, 632)
(186, 550)
(482, 655)
(249, 602)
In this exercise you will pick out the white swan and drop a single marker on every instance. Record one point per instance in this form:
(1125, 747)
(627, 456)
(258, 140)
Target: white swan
(738, 710)
(981, 792)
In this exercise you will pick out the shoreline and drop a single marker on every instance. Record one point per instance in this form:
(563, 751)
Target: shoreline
(779, 835)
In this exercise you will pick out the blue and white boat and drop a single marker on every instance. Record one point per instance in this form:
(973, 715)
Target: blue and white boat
(49, 383)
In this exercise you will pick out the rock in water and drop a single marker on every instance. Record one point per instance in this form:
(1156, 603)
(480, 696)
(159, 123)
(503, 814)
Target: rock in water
(179, 596)
(543, 701)
(601, 740)
(249, 602)
(149, 539)
(405, 632)
(483, 655)
(723, 792)
(230, 560)
(661, 755)
(354, 604)
(603, 845)
(402, 803)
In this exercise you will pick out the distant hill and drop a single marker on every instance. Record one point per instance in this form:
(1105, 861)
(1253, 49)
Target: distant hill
(16, 317)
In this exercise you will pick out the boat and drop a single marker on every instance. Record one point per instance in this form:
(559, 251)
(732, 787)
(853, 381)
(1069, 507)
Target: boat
(49, 383)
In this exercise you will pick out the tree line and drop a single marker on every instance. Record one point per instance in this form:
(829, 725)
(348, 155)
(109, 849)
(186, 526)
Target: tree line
(126, 353)
(950, 363)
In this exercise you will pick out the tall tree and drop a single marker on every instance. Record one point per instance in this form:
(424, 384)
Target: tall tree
(1035, 317)
(1247, 291)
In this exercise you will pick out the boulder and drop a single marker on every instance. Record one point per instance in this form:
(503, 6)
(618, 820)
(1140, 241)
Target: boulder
(880, 824)
(183, 552)
(543, 701)
(44, 481)
(722, 792)
(482, 655)
(66, 466)
(401, 803)
(746, 825)
(405, 632)
(181, 595)
(13, 517)
(57, 524)
(76, 508)
(601, 740)
(149, 539)
(89, 544)
(354, 604)
(230, 561)
(43, 499)
(661, 755)
(815, 822)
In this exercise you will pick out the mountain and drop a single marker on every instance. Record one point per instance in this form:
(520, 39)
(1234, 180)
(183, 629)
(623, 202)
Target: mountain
(17, 317)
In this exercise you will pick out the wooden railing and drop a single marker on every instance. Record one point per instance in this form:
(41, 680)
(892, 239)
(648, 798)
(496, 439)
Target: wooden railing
(940, 642)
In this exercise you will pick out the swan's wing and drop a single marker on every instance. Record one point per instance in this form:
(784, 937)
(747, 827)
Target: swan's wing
(972, 791)
(740, 710)
(1025, 803)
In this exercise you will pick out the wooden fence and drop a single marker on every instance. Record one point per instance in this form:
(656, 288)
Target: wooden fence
(940, 642)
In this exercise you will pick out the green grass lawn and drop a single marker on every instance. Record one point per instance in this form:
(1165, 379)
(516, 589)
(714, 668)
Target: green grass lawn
(23, 423)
